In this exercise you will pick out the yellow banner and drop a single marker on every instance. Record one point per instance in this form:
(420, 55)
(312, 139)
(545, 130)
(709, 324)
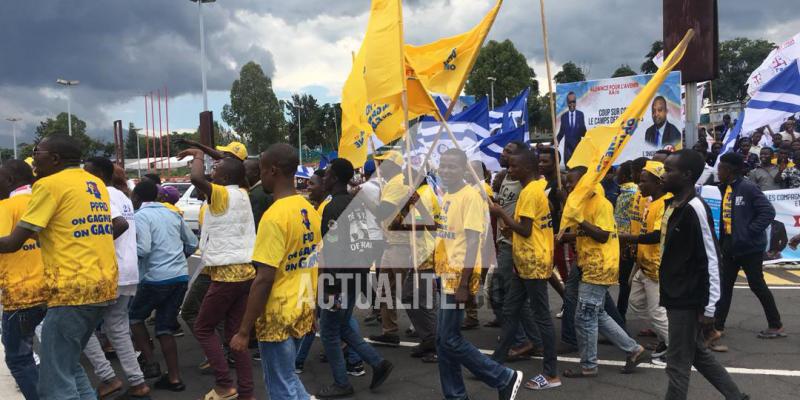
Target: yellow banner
(384, 69)
(601, 146)
(443, 66)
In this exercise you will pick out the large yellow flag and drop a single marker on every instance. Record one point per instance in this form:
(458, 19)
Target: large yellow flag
(603, 144)
(443, 66)
(384, 69)
(360, 118)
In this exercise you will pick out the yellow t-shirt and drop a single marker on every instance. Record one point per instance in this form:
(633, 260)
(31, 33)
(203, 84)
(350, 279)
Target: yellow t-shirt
(71, 211)
(426, 246)
(287, 240)
(533, 255)
(488, 189)
(461, 211)
(648, 256)
(321, 206)
(201, 214)
(395, 192)
(638, 206)
(727, 210)
(232, 272)
(21, 272)
(599, 261)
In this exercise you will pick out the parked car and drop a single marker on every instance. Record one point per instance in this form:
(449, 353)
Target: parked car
(189, 203)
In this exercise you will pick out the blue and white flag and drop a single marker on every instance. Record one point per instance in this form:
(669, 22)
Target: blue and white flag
(469, 127)
(730, 138)
(777, 100)
(304, 172)
(489, 149)
(511, 115)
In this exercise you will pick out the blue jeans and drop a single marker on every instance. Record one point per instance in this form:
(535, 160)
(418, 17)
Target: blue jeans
(455, 351)
(590, 317)
(65, 332)
(571, 304)
(277, 360)
(304, 346)
(335, 327)
(18, 331)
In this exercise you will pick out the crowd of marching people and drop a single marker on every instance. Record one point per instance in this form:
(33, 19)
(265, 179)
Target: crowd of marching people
(82, 254)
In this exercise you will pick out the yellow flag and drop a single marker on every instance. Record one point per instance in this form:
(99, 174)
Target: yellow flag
(443, 66)
(603, 144)
(360, 118)
(384, 71)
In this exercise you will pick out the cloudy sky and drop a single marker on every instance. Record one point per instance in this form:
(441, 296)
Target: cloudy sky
(120, 50)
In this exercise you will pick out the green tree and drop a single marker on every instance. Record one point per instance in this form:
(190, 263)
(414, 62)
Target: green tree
(737, 59)
(502, 61)
(623, 70)
(52, 126)
(254, 112)
(130, 143)
(648, 67)
(570, 72)
(316, 122)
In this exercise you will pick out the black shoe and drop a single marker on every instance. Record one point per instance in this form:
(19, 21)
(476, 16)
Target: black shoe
(660, 351)
(165, 384)
(380, 373)
(356, 369)
(298, 369)
(387, 339)
(509, 392)
(151, 371)
(333, 391)
(256, 356)
(178, 333)
(422, 349)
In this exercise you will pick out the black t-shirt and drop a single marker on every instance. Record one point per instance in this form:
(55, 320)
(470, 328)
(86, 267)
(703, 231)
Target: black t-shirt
(345, 243)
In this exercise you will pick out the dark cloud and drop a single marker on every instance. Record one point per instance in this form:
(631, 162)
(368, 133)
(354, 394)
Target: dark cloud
(120, 49)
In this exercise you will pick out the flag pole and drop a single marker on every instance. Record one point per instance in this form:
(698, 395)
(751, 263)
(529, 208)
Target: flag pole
(551, 96)
(443, 119)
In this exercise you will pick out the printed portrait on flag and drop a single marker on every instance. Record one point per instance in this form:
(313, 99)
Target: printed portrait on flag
(600, 102)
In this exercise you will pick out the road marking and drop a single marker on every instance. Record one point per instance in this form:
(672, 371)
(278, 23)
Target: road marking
(613, 363)
(794, 272)
(771, 279)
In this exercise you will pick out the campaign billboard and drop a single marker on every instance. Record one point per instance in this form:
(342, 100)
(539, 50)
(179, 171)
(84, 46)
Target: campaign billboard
(581, 106)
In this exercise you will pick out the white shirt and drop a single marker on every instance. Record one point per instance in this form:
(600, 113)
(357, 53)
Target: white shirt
(125, 244)
(370, 194)
(788, 136)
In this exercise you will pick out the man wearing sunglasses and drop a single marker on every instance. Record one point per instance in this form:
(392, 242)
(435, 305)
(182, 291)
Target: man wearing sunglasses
(572, 127)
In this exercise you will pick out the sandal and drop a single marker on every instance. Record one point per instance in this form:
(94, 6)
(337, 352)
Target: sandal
(213, 395)
(540, 382)
(771, 333)
(633, 360)
(580, 373)
(165, 384)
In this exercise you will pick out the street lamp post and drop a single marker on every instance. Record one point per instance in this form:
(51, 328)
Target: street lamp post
(491, 84)
(138, 155)
(14, 132)
(299, 134)
(68, 83)
(202, 49)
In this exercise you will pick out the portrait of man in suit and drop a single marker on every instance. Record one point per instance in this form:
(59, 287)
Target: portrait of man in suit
(661, 133)
(572, 127)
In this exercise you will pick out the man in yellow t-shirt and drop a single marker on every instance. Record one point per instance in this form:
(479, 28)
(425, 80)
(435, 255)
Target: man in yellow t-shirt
(21, 279)
(644, 298)
(396, 259)
(532, 245)
(227, 238)
(457, 257)
(69, 209)
(597, 246)
(284, 293)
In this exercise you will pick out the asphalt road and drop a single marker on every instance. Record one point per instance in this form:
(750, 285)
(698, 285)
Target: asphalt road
(766, 369)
